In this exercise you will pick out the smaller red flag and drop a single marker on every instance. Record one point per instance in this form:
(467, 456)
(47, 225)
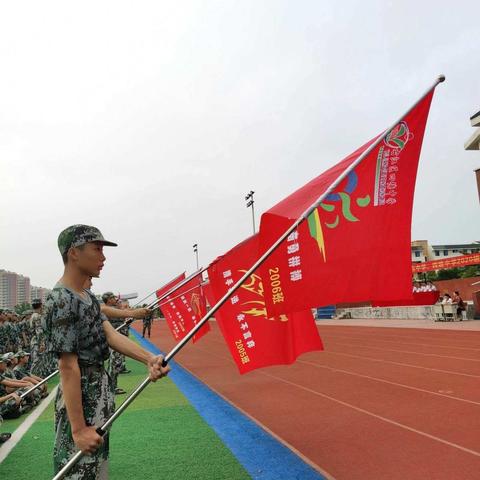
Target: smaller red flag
(168, 286)
(184, 308)
(254, 340)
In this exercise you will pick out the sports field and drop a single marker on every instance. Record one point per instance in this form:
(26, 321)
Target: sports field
(167, 434)
(378, 403)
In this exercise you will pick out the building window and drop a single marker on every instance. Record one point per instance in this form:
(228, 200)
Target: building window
(445, 252)
(437, 253)
(417, 254)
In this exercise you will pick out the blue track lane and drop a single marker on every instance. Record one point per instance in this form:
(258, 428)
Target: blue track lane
(263, 456)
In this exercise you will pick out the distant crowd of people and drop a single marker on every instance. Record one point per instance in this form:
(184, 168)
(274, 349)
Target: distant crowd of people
(445, 299)
(457, 300)
(424, 287)
(24, 362)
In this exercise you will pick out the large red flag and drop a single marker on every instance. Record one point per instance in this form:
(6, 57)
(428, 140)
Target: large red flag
(254, 340)
(184, 308)
(356, 245)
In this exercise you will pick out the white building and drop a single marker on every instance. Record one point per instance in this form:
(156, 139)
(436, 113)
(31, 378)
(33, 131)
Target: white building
(39, 292)
(14, 289)
(473, 143)
(422, 251)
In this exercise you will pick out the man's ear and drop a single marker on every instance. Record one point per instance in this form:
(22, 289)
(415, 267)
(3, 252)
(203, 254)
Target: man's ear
(72, 254)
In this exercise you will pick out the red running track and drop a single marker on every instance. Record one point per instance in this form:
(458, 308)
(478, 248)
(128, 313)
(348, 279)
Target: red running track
(378, 403)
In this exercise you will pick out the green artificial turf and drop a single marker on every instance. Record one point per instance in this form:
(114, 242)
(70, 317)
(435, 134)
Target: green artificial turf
(159, 436)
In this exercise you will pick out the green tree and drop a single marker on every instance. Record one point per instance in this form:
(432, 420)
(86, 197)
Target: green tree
(470, 271)
(448, 274)
(432, 276)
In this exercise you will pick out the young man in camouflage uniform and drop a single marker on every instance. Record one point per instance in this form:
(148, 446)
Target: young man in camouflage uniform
(147, 326)
(115, 362)
(3, 332)
(42, 363)
(37, 338)
(80, 336)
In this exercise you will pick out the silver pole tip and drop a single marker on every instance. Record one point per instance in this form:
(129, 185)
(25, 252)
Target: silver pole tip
(441, 78)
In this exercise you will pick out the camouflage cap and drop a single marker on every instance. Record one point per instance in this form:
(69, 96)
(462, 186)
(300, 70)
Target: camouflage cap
(8, 356)
(107, 295)
(77, 235)
(21, 354)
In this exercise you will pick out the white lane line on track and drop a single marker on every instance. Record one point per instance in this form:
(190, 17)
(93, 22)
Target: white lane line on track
(379, 339)
(450, 372)
(374, 415)
(371, 359)
(405, 351)
(348, 372)
(361, 410)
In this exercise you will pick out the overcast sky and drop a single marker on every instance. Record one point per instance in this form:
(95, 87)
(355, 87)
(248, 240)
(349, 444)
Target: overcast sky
(152, 120)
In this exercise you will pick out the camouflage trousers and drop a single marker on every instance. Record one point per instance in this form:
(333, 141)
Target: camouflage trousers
(9, 409)
(33, 353)
(44, 364)
(98, 406)
(124, 331)
(33, 398)
(147, 327)
(115, 366)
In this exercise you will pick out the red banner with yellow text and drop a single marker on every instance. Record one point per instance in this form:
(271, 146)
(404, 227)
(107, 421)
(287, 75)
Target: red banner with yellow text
(254, 340)
(184, 308)
(454, 262)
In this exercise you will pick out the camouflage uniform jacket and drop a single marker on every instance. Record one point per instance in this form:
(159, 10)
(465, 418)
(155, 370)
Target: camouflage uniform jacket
(75, 325)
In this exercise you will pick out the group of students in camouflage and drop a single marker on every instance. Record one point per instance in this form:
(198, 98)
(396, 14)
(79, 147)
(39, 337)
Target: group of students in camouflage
(24, 362)
(75, 334)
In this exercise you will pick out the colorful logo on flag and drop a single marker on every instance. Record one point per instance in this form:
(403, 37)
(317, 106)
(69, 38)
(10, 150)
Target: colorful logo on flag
(387, 170)
(345, 198)
(398, 136)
